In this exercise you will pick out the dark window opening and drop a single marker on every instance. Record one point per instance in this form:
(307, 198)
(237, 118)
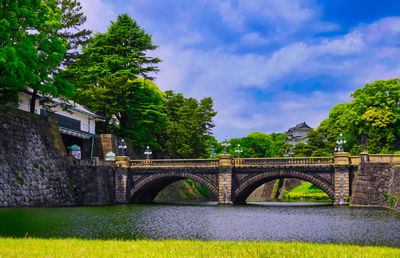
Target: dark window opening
(63, 121)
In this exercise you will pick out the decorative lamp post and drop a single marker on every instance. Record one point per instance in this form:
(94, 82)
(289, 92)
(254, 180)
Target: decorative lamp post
(339, 143)
(226, 145)
(148, 153)
(212, 153)
(238, 151)
(290, 153)
(122, 148)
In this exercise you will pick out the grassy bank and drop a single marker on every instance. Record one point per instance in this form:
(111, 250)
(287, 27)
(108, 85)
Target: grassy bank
(182, 248)
(306, 191)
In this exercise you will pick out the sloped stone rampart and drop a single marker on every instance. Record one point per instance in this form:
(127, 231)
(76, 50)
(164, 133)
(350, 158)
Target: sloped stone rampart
(32, 171)
(393, 196)
(377, 185)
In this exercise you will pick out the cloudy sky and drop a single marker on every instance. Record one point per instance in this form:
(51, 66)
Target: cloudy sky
(267, 64)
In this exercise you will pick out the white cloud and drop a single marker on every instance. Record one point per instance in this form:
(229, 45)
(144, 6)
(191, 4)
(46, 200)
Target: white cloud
(230, 76)
(99, 14)
(253, 39)
(225, 76)
(289, 10)
(229, 15)
(189, 39)
(351, 43)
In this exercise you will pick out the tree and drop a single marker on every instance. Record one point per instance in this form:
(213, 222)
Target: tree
(370, 121)
(51, 48)
(190, 123)
(30, 50)
(72, 18)
(119, 55)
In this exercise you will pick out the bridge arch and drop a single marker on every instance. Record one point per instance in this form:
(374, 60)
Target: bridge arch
(146, 189)
(249, 184)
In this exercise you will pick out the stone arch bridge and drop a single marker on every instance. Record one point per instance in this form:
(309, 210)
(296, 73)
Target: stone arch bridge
(233, 180)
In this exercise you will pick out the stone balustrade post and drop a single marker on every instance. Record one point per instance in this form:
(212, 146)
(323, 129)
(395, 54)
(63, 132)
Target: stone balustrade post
(225, 179)
(341, 177)
(364, 157)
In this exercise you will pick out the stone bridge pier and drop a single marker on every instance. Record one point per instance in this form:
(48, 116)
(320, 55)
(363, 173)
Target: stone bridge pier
(232, 180)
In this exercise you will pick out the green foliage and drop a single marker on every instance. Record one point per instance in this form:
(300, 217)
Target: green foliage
(348, 200)
(203, 190)
(189, 125)
(35, 165)
(107, 78)
(120, 52)
(391, 200)
(31, 50)
(316, 146)
(257, 145)
(307, 187)
(71, 19)
(370, 122)
(19, 177)
(70, 189)
(306, 191)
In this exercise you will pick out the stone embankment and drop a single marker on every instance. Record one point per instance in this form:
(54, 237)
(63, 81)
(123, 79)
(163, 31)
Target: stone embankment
(32, 171)
(377, 185)
(92, 185)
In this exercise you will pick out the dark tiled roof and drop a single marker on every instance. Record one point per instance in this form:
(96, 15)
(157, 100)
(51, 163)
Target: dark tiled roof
(299, 127)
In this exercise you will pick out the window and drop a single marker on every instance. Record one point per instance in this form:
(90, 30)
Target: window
(63, 121)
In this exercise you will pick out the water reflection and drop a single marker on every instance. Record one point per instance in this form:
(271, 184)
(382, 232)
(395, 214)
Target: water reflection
(256, 221)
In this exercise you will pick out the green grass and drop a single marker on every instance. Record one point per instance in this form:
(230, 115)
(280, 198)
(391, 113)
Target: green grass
(306, 191)
(182, 248)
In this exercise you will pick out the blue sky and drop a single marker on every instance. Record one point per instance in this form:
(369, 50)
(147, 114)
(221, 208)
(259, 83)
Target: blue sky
(267, 64)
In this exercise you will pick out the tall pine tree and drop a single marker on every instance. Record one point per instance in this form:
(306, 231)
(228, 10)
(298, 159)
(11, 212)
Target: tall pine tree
(119, 55)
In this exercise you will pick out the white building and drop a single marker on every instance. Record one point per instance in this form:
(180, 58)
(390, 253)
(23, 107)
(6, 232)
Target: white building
(76, 122)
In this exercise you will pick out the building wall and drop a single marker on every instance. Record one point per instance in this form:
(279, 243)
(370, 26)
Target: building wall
(299, 133)
(87, 122)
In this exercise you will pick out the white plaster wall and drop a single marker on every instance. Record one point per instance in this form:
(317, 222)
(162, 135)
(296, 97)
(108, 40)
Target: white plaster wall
(92, 127)
(300, 133)
(24, 104)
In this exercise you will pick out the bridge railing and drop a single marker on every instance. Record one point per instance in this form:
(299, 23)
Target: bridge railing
(174, 163)
(282, 161)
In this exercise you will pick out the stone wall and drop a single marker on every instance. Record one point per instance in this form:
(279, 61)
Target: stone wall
(378, 185)
(393, 196)
(264, 192)
(92, 185)
(32, 171)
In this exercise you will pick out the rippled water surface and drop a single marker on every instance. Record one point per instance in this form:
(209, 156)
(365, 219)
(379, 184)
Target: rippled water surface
(262, 221)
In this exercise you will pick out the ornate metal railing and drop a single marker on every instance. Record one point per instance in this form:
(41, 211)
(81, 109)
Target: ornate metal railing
(282, 161)
(175, 163)
(235, 162)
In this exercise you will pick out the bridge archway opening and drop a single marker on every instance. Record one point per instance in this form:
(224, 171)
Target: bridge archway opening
(147, 189)
(247, 186)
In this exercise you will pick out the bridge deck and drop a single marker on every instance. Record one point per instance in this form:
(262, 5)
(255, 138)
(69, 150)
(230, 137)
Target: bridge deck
(245, 162)
(297, 161)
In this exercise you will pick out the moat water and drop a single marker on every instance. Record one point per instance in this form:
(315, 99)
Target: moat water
(258, 221)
